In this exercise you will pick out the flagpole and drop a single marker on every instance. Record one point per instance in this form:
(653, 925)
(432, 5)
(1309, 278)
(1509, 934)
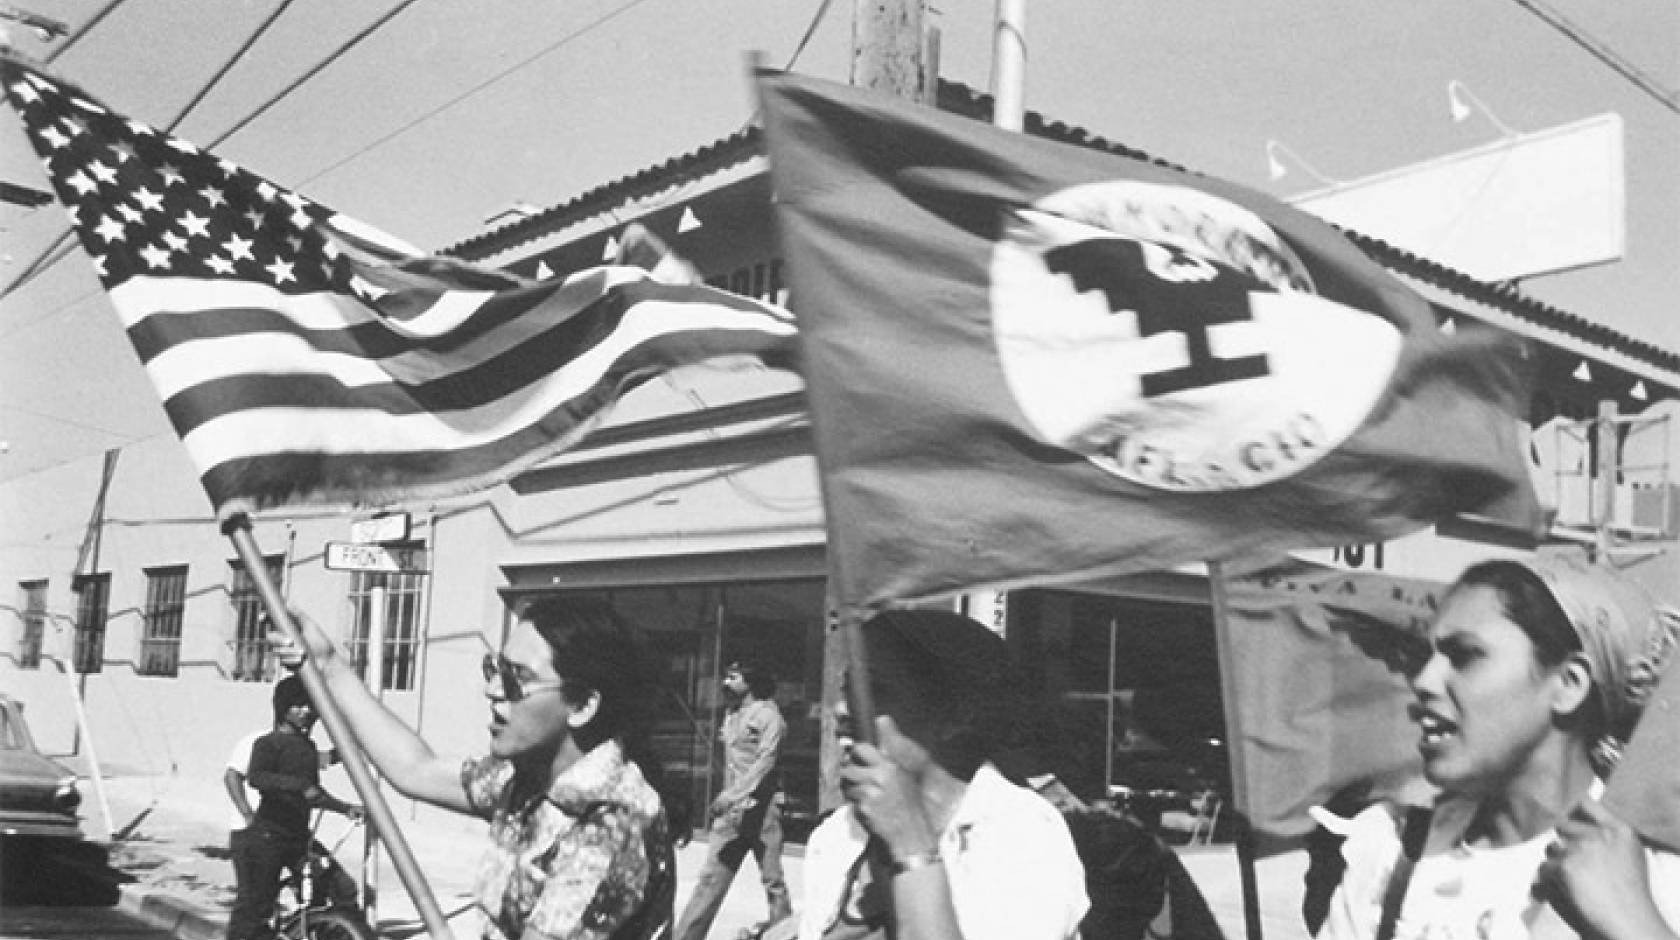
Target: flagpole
(1009, 59)
(889, 53)
(1233, 749)
(238, 530)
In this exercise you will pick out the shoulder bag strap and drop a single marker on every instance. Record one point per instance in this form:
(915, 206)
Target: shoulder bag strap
(1412, 839)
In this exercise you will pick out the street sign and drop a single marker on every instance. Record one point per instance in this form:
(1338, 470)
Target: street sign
(349, 556)
(389, 527)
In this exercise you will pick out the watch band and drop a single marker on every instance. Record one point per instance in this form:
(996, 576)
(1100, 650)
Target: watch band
(919, 860)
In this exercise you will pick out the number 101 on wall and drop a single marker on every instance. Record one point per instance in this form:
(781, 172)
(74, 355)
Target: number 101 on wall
(1358, 556)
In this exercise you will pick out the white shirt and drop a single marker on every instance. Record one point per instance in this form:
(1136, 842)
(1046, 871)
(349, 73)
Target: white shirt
(1011, 864)
(240, 760)
(1468, 893)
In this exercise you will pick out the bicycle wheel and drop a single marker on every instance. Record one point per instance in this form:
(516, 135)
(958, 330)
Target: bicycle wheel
(327, 925)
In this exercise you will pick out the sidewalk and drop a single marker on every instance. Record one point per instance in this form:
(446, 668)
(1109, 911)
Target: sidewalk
(174, 839)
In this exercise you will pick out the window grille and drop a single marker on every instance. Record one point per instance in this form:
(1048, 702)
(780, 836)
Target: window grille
(160, 645)
(92, 591)
(34, 610)
(251, 662)
(403, 595)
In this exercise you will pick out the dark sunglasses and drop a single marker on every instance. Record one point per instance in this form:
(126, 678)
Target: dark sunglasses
(514, 686)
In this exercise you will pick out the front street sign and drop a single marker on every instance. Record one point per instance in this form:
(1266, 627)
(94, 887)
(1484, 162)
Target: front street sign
(350, 556)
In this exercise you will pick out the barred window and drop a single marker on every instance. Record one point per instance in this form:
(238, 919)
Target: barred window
(166, 597)
(251, 662)
(33, 609)
(93, 591)
(401, 658)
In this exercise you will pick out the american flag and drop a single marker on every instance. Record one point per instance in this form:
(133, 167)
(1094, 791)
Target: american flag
(304, 358)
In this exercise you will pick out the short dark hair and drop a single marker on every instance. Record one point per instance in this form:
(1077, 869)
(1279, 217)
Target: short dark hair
(288, 692)
(947, 682)
(597, 651)
(1529, 604)
(761, 681)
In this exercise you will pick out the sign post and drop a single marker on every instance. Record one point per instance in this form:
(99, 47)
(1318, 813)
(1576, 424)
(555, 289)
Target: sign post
(375, 547)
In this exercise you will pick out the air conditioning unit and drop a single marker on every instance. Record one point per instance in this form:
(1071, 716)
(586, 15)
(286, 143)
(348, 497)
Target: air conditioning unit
(1649, 509)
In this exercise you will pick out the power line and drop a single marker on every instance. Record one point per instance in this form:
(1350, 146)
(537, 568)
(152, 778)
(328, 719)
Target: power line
(811, 30)
(58, 249)
(128, 438)
(314, 70)
(86, 28)
(428, 115)
(1603, 53)
(232, 60)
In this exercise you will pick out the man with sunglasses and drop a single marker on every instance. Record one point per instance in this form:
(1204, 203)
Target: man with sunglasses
(579, 838)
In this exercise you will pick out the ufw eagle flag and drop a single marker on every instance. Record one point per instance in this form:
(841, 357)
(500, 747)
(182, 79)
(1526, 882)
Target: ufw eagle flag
(303, 360)
(1029, 361)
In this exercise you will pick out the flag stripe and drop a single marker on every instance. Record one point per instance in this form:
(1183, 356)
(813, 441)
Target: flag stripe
(303, 357)
(330, 322)
(641, 343)
(483, 397)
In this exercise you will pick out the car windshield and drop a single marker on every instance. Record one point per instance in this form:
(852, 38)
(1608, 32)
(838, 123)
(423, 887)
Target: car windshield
(10, 739)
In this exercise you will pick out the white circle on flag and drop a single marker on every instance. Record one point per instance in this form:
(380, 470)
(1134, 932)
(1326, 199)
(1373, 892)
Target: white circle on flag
(1174, 340)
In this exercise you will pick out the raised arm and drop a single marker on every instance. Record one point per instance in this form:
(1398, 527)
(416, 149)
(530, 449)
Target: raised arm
(401, 755)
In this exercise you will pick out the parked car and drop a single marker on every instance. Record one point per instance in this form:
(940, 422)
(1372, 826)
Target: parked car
(38, 797)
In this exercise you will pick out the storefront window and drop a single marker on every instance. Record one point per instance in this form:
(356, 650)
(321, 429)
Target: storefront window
(1137, 683)
(780, 624)
(694, 632)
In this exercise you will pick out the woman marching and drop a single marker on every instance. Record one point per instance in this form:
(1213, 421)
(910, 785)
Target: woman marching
(580, 842)
(1536, 673)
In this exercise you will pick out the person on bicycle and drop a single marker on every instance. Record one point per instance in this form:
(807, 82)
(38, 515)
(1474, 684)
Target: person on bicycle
(581, 841)
(285, 771)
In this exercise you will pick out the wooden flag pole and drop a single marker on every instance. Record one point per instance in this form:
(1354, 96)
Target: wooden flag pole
(238, 530)
(860, 699)
(1233, 741)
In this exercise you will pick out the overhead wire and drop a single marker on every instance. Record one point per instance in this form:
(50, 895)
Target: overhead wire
(60, 246)
(85, 28)
(811, 30)
(435, 111)
(798, 50)
(59, 249)
(8, 406)
(1602, 51)
(314, 70)
(227, 66)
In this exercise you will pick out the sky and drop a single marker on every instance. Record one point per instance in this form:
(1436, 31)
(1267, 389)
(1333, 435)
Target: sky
(453, 110)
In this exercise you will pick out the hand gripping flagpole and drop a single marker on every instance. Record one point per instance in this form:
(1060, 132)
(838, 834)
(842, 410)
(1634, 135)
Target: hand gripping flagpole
(238, 530)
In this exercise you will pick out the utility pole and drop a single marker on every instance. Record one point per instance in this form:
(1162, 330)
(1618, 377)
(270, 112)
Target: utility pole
(891, 53)
(890, 48)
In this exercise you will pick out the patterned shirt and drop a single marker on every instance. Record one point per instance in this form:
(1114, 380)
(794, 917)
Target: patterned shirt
(589, 859)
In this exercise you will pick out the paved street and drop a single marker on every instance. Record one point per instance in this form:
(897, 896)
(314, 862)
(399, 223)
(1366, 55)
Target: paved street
(175, 880)
(77, 923)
